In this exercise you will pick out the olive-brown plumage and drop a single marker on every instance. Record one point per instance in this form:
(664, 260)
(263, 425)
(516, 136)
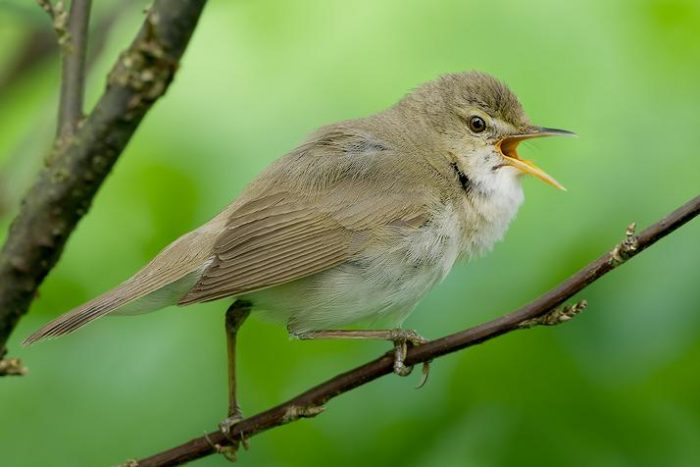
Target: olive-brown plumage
(358, 222)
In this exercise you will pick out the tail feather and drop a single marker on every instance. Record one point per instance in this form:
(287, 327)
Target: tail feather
(127, 299)
(78, 317)
(162, 282)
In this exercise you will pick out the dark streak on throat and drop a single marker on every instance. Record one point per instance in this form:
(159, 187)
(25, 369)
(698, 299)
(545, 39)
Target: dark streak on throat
(463, 179)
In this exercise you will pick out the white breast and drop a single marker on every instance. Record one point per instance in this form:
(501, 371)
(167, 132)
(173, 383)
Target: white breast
(486, 216)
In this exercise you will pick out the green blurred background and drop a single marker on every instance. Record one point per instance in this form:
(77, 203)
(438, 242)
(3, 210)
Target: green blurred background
(619, 386)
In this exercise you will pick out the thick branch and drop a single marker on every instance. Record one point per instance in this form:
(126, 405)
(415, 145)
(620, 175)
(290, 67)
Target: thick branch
(62, 194)
(544, 310)
(70, 108)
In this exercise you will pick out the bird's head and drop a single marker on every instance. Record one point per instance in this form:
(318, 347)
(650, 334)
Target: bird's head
(482, 122)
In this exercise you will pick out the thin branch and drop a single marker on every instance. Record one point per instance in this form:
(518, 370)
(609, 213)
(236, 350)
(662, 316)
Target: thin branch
(545, 310)
(40, 45)
(65, 187)
(70, 109)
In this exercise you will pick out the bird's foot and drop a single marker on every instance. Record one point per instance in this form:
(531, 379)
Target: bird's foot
(403, 339)
(227, 424)
(230, 452)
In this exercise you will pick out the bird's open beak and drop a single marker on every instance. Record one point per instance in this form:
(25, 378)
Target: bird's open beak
(508, 147)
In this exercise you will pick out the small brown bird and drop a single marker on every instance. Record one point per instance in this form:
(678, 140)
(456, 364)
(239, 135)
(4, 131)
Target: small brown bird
(352, 227)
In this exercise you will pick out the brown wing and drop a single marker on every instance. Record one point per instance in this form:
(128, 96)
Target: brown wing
(310, 211)
(271, 241)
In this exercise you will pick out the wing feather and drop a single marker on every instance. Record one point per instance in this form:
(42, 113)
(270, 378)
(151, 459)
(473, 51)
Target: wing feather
(269, 246)
(308, 212)
(272, 260)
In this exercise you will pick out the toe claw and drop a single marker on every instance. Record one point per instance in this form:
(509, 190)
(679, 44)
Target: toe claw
(403, 338)
(425, 372)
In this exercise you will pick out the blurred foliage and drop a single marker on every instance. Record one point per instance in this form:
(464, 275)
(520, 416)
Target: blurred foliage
(619, 386)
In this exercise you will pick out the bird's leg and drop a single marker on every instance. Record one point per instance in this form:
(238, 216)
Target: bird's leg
(402, 339)
(235, 316)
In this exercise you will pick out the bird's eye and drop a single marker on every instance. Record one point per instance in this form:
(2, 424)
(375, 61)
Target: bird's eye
(477, 124)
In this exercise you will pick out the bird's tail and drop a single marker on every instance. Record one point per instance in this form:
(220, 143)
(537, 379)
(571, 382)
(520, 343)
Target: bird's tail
(162, 282)
(132, 297)
(80, 316)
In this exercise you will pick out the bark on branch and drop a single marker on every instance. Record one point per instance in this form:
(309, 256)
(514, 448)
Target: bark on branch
(74, 171)
(545, 310)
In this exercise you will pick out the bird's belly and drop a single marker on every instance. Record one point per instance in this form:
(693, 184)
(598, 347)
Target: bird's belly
(380, 287)
(365, 292)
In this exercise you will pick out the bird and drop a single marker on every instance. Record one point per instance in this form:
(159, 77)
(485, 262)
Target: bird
(342, 236)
